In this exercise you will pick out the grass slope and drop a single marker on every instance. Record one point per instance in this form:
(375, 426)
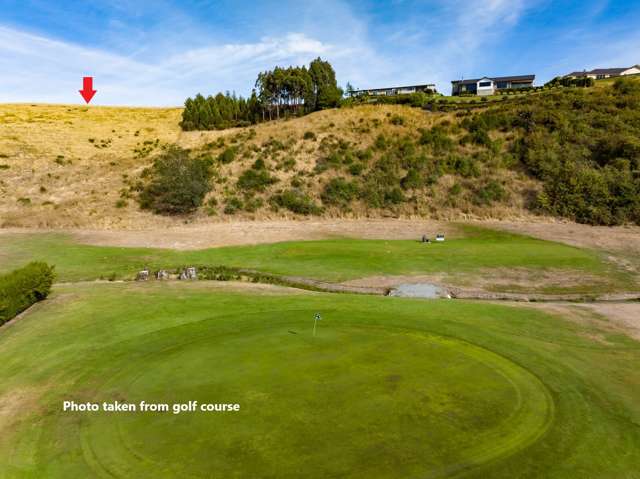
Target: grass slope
(388, 388)
(479, 252)
(66, 166)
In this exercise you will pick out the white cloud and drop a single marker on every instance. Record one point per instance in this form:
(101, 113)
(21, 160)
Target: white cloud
(42, 69)
(163, 65)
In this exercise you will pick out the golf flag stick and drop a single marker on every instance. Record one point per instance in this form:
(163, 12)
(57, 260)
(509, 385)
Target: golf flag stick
(315, 323)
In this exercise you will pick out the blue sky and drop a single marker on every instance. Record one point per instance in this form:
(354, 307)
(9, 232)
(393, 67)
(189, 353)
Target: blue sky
(159, 52)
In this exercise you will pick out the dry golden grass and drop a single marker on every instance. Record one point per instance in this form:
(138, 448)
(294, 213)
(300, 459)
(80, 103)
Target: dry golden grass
(67, 165)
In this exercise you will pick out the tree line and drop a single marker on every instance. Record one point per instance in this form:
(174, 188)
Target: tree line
(278, 93)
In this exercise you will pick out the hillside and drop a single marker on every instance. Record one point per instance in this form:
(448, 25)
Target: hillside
(69, 166)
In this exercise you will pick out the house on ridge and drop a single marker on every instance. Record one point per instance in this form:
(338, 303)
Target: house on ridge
(491, 85)
(602, 73)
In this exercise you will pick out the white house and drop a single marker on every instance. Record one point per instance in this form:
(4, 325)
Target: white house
(397, 90)
(601, 73)
(489, 86)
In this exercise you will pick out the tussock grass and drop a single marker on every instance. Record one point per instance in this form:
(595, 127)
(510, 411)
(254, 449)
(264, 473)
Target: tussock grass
(89, 158)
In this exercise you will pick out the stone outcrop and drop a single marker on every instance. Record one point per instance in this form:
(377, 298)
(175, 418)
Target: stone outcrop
(162, 275)
(188, 273)
(142, 275)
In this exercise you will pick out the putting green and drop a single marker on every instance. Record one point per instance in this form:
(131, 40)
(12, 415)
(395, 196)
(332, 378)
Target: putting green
(388, 388)
(403, 391)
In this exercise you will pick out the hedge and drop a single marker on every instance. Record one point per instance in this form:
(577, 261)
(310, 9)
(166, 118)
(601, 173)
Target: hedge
(23, 287)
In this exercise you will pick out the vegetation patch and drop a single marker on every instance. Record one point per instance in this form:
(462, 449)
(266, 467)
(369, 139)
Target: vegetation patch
(24, 287)
(176, 183)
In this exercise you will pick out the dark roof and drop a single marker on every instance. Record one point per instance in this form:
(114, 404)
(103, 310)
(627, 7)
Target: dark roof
(428, 85)
(511, 78)
(608, 71)
(600, 71)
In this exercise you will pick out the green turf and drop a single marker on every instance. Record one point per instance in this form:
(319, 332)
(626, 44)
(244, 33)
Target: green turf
(332, 260)
(388, 388)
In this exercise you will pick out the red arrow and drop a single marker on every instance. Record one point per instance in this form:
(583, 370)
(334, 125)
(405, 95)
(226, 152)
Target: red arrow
(87, 91)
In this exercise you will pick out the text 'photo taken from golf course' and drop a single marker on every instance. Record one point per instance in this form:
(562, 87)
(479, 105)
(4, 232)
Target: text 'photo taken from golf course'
(320, 239)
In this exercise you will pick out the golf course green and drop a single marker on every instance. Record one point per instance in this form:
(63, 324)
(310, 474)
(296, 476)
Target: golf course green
(476, 252)
(386, 388)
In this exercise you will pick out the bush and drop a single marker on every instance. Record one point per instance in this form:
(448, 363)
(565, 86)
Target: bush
(309, 135)
(228, 155)
(296, 201)
(255, 179)
(339, 192)
(491, 192)
(233, 205)
(396, 120)
(177, 184)
(436, 138)
(24, 287)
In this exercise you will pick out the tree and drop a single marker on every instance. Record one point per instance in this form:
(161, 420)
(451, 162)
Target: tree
(178, 183)
(324, 88)
(349, 89)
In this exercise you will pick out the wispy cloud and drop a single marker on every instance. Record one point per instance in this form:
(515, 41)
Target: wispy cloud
(48, 70)
(160, 52)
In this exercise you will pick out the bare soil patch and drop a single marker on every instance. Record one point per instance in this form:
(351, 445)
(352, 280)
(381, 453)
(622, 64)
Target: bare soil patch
(15, 404)
(518, 280)
(211, 235)
(624, 239)
(608, 317)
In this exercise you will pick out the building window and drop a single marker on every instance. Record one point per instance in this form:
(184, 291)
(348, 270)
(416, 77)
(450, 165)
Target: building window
(501, 85)
(484, 84)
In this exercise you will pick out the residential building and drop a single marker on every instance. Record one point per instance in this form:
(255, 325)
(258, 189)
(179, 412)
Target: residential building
(396, 90)
(491, 85)
(602, 73)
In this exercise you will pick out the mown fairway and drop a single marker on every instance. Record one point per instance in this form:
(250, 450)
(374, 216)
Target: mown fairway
(476, 253)
(388, 388)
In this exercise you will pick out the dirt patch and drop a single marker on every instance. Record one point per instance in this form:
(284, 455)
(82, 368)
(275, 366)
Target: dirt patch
(394, 281)
(623, 316)
(487, 280)
(608, 238)
(530, 279)
(239, 286)
(14, 405)
(607, 317)
(188, 237)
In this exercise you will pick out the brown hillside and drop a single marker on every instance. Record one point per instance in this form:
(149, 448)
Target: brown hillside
(69, 166)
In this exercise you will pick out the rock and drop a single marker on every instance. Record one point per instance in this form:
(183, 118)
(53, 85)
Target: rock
(188, 273)
(191, 273)
(142, 275)
(162, 274)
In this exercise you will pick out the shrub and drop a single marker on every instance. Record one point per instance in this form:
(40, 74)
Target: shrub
(255, 180)
(24, 287)
(233, 205)
(436, 138)
(296, 201)
(177, 184)
(339, 192)
(253, 204)
(309, 135)
(228, 155)
(396, 120)
(491, 192)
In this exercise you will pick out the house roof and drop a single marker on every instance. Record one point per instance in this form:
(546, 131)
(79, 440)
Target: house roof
(601, 71)
(608, 71)
(428, 85)
(496, 79)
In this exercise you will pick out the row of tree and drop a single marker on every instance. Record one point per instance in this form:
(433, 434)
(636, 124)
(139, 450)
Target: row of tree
(278, 92)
